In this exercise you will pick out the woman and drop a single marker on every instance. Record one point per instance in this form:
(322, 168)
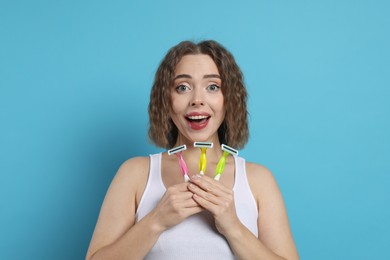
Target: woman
(150, 212)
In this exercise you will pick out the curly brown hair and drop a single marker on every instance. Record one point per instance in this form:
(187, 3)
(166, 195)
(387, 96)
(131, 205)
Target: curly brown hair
(234, 129)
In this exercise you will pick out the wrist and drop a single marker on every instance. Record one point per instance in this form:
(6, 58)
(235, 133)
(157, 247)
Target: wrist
(152, 221)
(235, 232)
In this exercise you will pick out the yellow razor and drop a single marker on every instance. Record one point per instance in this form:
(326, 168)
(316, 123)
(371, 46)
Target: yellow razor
(203, 160)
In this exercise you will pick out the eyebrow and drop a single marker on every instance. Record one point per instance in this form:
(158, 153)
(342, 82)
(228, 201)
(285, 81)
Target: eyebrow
(187, 76)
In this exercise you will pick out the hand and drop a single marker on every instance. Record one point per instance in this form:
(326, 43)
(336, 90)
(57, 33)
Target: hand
(217, 199)
(176, 205)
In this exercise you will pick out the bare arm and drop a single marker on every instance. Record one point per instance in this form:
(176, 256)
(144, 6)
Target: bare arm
(275, 240)
(116, 235)
(273, 224)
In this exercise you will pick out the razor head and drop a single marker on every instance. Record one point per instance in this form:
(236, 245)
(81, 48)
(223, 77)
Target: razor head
(177, 149)
(203, 144)
(229, 149)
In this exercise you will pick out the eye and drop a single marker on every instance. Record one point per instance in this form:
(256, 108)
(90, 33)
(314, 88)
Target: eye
(213, 88)
(182, 88)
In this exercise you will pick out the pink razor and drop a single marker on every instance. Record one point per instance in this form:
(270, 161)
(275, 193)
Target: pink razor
(183, 166)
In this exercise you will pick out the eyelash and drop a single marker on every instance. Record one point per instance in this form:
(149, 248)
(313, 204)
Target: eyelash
(180, 87)
(213, 85)
(179, 90)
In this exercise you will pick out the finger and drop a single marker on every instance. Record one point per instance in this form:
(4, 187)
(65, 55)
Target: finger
(206, 204)
(179, 187)
(193, 211)
(177, 190)
(210, 185)
(179, 196)
(198, 178)
(204, 194)
(190, 203)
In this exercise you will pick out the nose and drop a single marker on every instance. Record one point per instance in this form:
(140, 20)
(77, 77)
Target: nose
(197, 98)
(197, 102)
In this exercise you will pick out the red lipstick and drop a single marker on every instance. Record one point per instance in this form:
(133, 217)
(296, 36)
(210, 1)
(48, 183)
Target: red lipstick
(197, 120)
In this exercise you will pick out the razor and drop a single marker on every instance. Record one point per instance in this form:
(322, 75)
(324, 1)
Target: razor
(203, 160)
(183, 166)
(222, 161)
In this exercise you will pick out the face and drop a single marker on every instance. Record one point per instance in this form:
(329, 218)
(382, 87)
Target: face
(197, 100)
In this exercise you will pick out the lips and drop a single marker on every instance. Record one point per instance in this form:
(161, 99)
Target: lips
(197, 120)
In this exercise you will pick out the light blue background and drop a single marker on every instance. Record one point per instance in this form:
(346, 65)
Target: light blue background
(75, 78)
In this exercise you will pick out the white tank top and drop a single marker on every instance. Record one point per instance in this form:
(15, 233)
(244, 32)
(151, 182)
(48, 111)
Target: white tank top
(196, 237)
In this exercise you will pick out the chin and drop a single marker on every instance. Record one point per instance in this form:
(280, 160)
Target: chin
(202, 138)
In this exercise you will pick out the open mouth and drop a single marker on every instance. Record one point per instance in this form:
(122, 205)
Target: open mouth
(197, 119)
(197, 122)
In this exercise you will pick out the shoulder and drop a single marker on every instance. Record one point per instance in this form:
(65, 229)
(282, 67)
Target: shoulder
(132, 175)
(138, 165)
(261, 181)
(119, 207)
(258, 173)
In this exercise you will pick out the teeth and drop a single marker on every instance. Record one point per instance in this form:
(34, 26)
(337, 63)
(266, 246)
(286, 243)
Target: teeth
(197, 117)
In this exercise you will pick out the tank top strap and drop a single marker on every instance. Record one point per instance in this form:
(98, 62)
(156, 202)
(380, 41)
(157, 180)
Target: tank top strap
(155, 179)
(154, 189)
(246, 206)
(239, 178)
